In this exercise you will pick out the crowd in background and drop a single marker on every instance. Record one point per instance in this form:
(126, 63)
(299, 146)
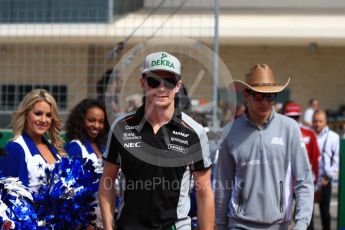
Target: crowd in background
(87, 128)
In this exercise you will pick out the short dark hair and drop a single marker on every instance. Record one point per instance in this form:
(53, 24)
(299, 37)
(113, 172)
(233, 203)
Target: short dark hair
(312, 100)
(320, 111)
(103, 81)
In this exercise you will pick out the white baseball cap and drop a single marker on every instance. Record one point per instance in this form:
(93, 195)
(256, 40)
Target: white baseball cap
(162, 61)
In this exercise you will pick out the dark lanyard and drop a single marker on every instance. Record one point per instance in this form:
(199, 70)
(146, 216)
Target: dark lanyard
(325, 143)
(324, 149)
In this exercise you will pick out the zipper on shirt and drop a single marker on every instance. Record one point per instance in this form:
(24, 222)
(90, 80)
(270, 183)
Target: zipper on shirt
(281, 202)
(240, 198)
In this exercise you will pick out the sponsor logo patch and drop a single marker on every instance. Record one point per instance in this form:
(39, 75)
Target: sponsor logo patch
(166, 63)
(129, 127)
(177, 148)
(180, 133)
(130, 136)
(132, 145)
(179, 140)
(277, 141)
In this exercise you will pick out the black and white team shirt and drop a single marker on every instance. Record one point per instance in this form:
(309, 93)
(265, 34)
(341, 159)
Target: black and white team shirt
(157, 169)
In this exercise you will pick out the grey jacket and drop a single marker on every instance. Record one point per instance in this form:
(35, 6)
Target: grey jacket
(257, 172)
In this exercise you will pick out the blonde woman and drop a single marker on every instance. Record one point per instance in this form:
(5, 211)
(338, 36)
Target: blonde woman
(29, 153)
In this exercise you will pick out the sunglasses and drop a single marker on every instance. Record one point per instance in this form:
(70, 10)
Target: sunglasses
(154, 82)
(261, 96)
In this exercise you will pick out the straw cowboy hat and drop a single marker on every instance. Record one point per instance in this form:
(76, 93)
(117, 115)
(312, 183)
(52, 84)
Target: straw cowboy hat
(260, 79)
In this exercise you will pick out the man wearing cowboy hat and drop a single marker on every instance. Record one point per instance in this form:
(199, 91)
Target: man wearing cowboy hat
(262, 161)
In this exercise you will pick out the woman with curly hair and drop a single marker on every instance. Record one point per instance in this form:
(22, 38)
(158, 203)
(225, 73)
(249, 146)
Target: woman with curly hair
(36, 144)
(86, 130)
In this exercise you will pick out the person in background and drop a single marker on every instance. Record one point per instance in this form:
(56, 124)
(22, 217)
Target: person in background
(328, 142)
(86, 130)
(240, 110)
(293, 110)
(157, 146)
(193, 212)
(133, 102)
(109, 94)
(228, 116)
(313, 105)
(182, 100)
(278, 107)
(261, 162)
(29, 153)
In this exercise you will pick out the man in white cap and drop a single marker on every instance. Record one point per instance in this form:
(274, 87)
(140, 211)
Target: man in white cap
(262, 161)
(158, 149)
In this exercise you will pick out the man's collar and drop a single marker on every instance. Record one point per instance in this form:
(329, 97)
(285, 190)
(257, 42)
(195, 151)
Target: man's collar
(140, 113)
(177, 116)
(324, 130)
(272, 115)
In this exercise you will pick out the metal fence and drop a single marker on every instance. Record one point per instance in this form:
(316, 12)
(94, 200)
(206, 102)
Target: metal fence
(67, 46)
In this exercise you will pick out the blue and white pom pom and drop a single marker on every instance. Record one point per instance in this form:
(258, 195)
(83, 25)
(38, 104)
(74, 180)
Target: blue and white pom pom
(68, 198)
(16, 205)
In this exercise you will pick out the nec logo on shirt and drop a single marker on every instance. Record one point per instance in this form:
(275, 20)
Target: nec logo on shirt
(277, 141)
(132, 145)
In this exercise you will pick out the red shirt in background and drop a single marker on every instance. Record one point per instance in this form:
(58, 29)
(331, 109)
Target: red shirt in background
(310, 141)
